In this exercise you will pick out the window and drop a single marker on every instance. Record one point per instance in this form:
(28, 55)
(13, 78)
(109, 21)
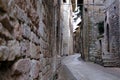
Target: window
(115, 7)
(86, 10)
(64, 1)
(105, 18)
(101, 28)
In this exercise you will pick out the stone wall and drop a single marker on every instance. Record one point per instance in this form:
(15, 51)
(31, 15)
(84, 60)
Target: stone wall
(101, 35)
(77, 41)
(119, 22)
(66, 24)
(112, 41)
(28, 39)
(90, 29)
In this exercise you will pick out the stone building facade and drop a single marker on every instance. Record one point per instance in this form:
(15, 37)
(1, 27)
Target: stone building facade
(66, 25)
(76, 41)
(111, 43)
(31, 39)
(100, 32)
(89, 29)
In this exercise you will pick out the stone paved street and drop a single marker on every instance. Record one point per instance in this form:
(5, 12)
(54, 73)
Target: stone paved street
(76, 69)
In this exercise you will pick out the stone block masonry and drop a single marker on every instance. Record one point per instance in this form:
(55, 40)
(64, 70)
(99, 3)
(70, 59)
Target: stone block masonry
(112, 35)
(27, 39)
(101, 36)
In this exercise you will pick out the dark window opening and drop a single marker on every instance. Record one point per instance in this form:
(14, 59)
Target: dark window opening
(114, 7)
(100, 43)
(101, 28)
(86, 10)
(64, 1)
(108, 42)
(79, 4)
(105, 18)
(57, 30)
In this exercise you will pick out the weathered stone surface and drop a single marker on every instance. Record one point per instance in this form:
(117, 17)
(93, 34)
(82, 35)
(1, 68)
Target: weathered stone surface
(6, 22)
(18, 31)
(40, 30)
(11, 57)
(21, 15)
(26, 33)
(11, 9)
(14, 47)
(34, 38)
(44, 70)
(2, 41)
(25, 48)
(43, 43)
(40, 76)
(34, 51)
(23, 77)
(4, 33)
(48, 75)
(38, 50)
(23, 4)
(32, 14)
(22, 66)
(43, 62)
(3, 7)
(47, 61)
(34, 29)
(46, 54)
(35, 69)
(4, 53)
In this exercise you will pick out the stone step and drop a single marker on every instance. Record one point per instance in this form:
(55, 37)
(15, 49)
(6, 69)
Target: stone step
(104, 61)
(110, 54)
(111, 62)
(110, 57)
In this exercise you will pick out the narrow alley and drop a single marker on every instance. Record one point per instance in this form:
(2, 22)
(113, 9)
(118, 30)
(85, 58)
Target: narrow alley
(59, 39)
